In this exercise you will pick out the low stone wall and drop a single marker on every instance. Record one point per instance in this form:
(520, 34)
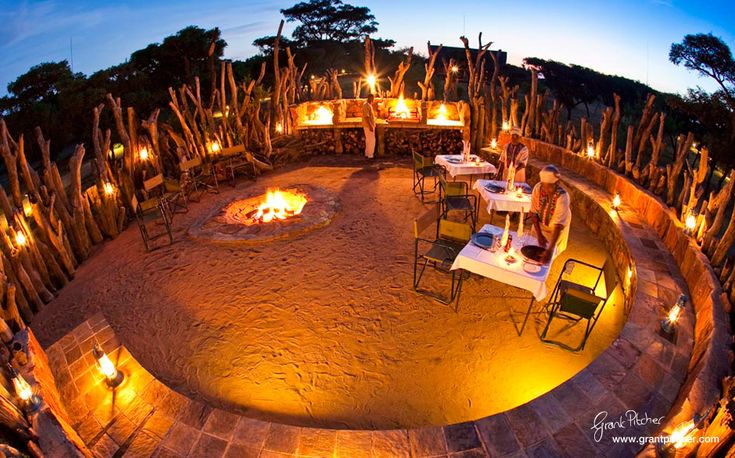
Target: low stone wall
(711, 355)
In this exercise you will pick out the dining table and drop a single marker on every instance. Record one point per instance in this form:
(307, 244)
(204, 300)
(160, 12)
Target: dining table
(498, 198)
(456, 166)
(510, 268)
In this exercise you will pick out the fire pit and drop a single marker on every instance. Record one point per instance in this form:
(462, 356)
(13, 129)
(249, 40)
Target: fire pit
(275, 214)
(277, 205)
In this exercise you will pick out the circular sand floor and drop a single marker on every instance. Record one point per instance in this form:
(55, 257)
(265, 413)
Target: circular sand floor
(324, 330)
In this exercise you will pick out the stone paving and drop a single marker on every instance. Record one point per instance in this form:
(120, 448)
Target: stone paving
(641, 371)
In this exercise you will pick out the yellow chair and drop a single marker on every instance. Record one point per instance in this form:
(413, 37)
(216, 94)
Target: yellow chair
(455, 196)
(423, 168)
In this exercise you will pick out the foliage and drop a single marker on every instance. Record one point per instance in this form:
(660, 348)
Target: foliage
(330, 20)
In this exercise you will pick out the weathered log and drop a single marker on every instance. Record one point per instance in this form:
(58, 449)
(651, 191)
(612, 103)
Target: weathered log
(426, 86)
(718, 205)
(683, 144)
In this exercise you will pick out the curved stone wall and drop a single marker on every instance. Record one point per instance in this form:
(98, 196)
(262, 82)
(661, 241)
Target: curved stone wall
(710, 357)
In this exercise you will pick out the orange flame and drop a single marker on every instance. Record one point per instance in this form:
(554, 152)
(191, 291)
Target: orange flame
(280, 205)
(401, 109)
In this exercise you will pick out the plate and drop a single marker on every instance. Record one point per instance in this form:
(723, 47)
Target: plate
(532, 253)
(453, 160)
(494, 188)
(526, 188)
(483, 239)
(531, 267)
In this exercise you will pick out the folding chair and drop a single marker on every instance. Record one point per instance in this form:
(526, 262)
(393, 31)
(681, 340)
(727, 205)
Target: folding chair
(423, 168)
(577, 302)
(198, 178)
(149, 211)
(455, 197)
(441, 252)
(235, 158)
(167, 190)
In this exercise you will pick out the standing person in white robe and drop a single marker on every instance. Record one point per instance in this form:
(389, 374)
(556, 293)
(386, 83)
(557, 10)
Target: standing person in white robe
(515, 153)
(550, 214)
(368, 125)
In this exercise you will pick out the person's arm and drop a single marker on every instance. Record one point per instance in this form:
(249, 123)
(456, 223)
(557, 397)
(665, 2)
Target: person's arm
(534, 216)
(546, 256)
(522, 159)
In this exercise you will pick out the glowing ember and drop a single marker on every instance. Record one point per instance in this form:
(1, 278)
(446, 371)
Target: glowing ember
(279, 205)
(401, 111)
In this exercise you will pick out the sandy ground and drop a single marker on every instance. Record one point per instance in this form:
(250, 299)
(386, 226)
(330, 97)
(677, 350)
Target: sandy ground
(325, 329)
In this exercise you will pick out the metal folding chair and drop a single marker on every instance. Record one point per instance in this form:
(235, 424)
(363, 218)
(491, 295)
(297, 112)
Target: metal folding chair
(455, 197)
(150, 211)
(423, 168)
(441, 252)
(198, 178)
(576, 302)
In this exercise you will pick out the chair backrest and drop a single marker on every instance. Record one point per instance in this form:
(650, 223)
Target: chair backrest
(454, 231)
(232, 150)
(420, 161)
(452, 188)
(427, 219)
(153, 183)
(611, 276)
(190, 164)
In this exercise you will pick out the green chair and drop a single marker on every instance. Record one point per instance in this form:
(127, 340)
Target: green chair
(148, 212)
(234, 159)
(168, 191)
(198, 178)
(455, 196)
(576, 302)
(441, 252)
(423, 168)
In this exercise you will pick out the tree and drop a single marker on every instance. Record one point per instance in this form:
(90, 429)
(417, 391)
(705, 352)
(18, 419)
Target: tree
(330, 20)
(715, 113)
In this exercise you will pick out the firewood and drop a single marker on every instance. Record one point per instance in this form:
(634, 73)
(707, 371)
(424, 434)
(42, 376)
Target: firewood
(683, 144)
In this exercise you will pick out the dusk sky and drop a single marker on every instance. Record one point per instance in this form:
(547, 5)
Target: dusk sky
(625, 37)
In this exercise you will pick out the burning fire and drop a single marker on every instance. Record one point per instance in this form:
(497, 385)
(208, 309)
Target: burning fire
(401, 110)
(280, 205)
(442, 113)
(322, 116)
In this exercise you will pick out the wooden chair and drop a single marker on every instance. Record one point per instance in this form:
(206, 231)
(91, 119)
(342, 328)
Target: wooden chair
(149, 212)
(441, 252)
(576, 302)
(455, 197)
(423, 168)
(198, 178)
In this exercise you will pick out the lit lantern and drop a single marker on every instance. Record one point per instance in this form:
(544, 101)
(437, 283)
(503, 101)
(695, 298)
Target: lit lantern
(679, 437)
(616, 201)
(590, 151)
(668, 323)
(312, 77)
(214, 147)
(24, 391)
(143, 154)
(27, 206)
(371, 82)
(217, 114)
(109, 190)
(455, 69)
(113, 377)
(506, 126)
(20, 239)
(117, 150)
(343, 71)
(279, 128)
(630, 273)
(494, 143)
(690, 222)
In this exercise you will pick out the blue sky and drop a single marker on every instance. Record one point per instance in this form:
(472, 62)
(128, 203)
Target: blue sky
(625, 37)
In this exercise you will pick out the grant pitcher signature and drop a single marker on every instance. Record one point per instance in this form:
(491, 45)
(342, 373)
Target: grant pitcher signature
(629, 419)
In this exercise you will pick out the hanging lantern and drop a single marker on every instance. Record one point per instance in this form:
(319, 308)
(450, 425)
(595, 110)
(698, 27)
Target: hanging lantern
(24, 391)
(506, 126)
(616, 201)
(117, 150)
(279, 128)
(494, 143)
(214, 147)
(690, 222)
(108, 188)
(455, 69)
(20, 239)
(668, 324)
(113, 377)
(590, 151)
(143, 154)
(27, 206)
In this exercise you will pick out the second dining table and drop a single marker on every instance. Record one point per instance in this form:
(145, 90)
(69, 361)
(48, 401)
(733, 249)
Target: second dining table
(455, 165)
(499, 199)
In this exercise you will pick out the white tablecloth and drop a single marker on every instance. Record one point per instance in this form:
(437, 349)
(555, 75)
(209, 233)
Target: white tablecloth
(492, 265)
(464, 168)
(503, 201)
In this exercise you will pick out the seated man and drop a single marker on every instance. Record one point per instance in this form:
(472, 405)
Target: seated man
(550, 212)
(515, 153)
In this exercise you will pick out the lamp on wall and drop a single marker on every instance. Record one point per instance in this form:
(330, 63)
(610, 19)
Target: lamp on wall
(113, 377)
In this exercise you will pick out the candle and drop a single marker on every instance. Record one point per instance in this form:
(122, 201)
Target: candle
(504, 238)
(520, 226)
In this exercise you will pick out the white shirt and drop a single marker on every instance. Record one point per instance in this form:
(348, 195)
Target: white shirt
(562, 216)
